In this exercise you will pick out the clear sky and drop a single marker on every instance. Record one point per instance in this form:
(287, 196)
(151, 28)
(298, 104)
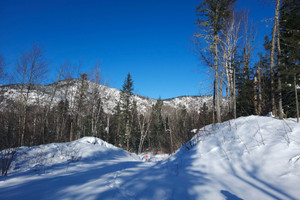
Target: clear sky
(149, 39)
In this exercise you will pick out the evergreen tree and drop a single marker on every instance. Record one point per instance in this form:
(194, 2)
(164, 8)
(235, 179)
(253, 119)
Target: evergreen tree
(245, 91)
(115, 126)
(290, 55)
(134, 139)
(157, 126)
(126, 107)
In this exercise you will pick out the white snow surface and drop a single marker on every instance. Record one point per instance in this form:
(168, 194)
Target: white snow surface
(247, 158)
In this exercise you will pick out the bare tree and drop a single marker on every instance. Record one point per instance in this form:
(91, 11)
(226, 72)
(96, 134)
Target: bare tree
(95, 100)
(248, 39)
(6, 158)
(276, 19)
(296, 95)
(229, 46)
(144, 126)
(259, 108)
(212, 18)
(48, 107)
(280, 109)
(2, 73)
(255, 83)
(31, 68)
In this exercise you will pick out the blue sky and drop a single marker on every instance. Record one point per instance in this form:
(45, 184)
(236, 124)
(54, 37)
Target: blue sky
(149, 39)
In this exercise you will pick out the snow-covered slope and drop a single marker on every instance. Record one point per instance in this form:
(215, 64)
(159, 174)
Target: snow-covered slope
(110, 96)
(46, 157)
(248, 158)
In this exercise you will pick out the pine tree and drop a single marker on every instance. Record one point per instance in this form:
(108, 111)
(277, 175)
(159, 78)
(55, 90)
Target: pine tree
(290, 54)
(157, 126)
(115, 126)
(126, 107)
(134, 135)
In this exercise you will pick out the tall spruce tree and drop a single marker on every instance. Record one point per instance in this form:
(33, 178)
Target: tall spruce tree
(126, 107)
(157, 126)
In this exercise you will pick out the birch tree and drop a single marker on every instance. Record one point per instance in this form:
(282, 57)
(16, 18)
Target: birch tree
(272, 57)
(31, 68)
(230, 38)
(212, 17)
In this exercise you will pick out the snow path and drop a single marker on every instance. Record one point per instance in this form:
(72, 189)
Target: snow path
(248, 158)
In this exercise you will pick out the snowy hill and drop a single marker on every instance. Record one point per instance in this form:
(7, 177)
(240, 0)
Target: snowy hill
(248, 158)
(110, 96)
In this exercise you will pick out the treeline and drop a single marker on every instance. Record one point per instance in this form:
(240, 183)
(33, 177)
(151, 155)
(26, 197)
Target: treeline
(253, 84)
(161, 129)
(30, 121)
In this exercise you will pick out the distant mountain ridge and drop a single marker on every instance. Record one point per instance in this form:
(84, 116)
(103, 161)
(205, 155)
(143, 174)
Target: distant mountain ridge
(67, 89)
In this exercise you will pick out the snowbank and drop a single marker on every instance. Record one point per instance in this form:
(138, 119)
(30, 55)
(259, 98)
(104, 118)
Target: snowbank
(247, 158)
(252, 157)
(49, 156)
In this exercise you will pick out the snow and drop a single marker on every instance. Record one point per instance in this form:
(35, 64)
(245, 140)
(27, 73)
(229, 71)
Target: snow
(247, 158)
(109, 96)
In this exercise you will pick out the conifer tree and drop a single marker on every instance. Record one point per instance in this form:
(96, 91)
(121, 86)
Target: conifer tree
(126, 107)
(290, 54)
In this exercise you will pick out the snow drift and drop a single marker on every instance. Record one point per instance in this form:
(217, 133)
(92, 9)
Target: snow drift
(85, 150)
(248, 158)
(251, 157)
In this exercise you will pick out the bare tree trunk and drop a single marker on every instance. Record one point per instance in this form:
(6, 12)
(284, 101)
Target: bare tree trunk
(214, 103)
(96, 106)
(255, 95)
(171, 140)
(218, 109)
(234, 96)
(144, 130)
(30, 68)
(107, 126)
(71, 131)
(259, 91)
(280, 109)
(63, 125)
(272, 58)
(217, 79)
(73, 113)
(229, 45)
(24, 117)
(221, 91)
(23, 123)
(296, 96)
(45, 120)
(127, 133)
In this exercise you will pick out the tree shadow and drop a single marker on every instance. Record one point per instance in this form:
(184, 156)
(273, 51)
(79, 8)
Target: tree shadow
(264, 183)
(64, 186)
(164, 180)
(230, 196)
